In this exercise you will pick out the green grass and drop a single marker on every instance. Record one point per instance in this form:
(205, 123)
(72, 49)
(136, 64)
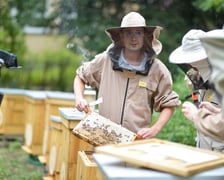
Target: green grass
(15, 165)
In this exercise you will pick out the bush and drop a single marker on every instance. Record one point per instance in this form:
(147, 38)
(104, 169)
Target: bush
(49, 70)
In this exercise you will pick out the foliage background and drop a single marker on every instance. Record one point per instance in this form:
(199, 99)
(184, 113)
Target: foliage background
(83, 23)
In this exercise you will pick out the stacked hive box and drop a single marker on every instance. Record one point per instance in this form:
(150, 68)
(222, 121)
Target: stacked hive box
(55, 146)
(38, 108)
(52, 142)
(35, 119)
(33, 109)
(54, 100)
(71, 144)
(12, 114)
(86, 167)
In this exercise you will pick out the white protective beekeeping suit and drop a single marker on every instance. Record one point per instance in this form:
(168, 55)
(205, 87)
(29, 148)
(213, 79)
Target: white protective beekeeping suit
(213, 43)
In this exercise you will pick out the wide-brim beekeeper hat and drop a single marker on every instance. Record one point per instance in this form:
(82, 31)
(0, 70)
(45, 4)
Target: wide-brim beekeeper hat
(134, 19)
(213, 42)
(191, 49)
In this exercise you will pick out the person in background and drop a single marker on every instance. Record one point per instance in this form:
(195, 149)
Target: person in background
(130, 78)
(192, 53)
(213, 44)
(208, 120)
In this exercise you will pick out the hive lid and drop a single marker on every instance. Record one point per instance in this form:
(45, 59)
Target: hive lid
(71, 113)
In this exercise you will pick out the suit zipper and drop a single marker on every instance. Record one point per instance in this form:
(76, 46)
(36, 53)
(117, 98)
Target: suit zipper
(125, 95)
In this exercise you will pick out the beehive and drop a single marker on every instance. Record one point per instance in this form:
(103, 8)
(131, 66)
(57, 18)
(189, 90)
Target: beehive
(86, 167)
(71, 144)
(54, 100)
(12, 112)
(34, 125)
(55, 146)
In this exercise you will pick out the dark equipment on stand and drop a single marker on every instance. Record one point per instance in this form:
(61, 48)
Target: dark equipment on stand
(197, 82)
(9, 60)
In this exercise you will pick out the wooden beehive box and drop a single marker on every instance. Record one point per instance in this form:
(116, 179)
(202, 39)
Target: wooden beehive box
(86, 167)
(57, 99)
(12, 112)
(35, 121)
(54, 100)
(71, 144)
(55, 146)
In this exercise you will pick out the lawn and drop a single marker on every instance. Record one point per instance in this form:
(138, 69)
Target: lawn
(15, 164)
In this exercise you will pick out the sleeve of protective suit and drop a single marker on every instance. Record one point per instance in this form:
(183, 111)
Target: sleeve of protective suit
(210, 124)
(164, 95)
(90, 72)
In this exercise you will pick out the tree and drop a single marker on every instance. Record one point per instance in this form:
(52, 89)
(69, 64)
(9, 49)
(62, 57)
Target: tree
(30, 13)
(11, 38)
(214, 9)
(84, 21)
(207, 5)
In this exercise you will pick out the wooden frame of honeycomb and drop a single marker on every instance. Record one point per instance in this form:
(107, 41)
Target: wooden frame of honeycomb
(98, 130)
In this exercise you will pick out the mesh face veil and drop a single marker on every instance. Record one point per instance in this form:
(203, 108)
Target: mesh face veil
(203, 67)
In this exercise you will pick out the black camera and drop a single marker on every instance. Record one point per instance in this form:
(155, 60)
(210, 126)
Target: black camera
(8, 59)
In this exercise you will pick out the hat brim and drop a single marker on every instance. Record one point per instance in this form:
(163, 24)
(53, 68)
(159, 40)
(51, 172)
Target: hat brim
(113, 34)
(180, 57)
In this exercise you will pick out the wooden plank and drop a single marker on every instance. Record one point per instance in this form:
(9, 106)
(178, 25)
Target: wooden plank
(42, 159)
(27, 149)
(48, 178)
